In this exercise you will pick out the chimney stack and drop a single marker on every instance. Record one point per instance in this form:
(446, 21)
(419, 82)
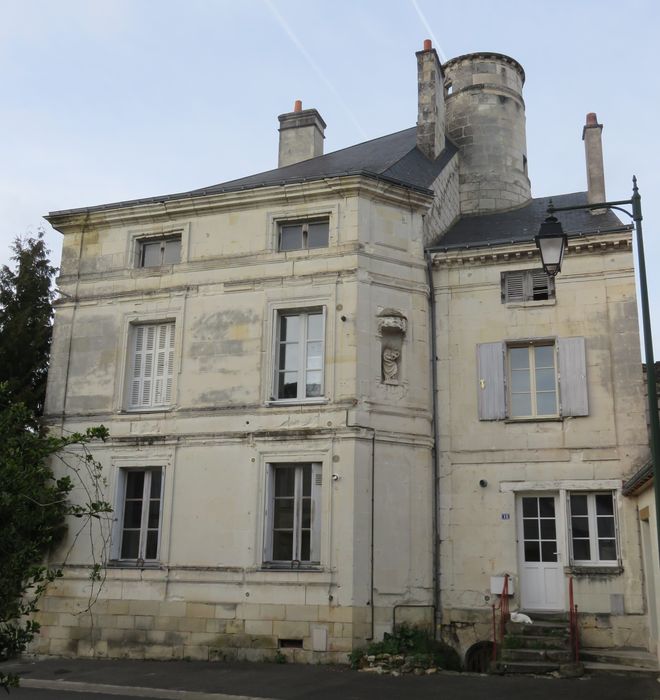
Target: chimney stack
(593, 149)
(430, 102)
(301, 135)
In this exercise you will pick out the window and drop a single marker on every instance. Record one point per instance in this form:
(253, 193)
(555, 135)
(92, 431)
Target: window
(299, 361)
(293, 518)
(152, 361)
(303, 235)
(593, 529)
(140, 517)
(532, 381)
(159, 251)
(527, 285)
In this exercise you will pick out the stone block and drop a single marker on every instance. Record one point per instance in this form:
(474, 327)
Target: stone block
(167, 624)
(191, 624)
(248, 611)
(205, 610)
(340, 644)
(310, 613)
(235, 626)
(125, 622)
(144, 622)
(225, 612)
(272, 612)
(143, 607)
(117, 607)
(172, 608)
(258, 627)
(216, 626)
(63, 647)
(159, 652)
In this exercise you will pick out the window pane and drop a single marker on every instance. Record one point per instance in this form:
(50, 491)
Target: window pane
(289, 356)
(532, 551)
(548, 530)
(289, 327)
(133, 514)
(313, 384)
(579, 505)
(154, 514)
(580, 526)
(291, 237)
(151, 254)
(604, 504)
(531, 529)
(519, 358)
(172, 254)
(318, 234)
(545, 379)
(134, 484)
(315, 327)
(285, 479)
(307, 513)
(605, 527)
(155, 484)
(521, 405)
(530, 507)
(546, 404)
(544, 356)
(130, 543)
(288, 385)
(547, 507)
(151, 551)
(307, 480)
(548, 551)
(581, 550)
(283, 515)
(283, 546)
(607, 550)
(304, 545)
(520, 381)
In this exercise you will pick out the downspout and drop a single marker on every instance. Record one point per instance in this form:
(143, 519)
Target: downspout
(437, 610)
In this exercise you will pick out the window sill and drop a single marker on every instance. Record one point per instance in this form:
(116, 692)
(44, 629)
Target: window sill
(595, 570)
(530, 304)
(535, 419)
(147, 409)
(288, 569)
(298, 402)
(133, 565)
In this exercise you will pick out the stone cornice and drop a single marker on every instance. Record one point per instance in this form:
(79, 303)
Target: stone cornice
(589, 245)
(169, 209)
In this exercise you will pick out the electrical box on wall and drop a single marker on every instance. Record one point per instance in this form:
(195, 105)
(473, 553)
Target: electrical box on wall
(497, 584)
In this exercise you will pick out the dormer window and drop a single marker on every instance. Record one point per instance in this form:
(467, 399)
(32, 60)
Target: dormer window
(303, 235)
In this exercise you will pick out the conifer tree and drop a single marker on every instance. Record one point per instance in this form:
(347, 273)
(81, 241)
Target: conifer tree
(26, 321)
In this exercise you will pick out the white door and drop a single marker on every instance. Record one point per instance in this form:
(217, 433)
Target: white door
(540, 569)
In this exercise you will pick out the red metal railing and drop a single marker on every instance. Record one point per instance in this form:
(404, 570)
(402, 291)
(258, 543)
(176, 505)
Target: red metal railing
(573, 622)
(498, 635)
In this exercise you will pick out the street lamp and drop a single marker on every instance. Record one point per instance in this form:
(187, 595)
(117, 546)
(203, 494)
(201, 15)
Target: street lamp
(550, 235)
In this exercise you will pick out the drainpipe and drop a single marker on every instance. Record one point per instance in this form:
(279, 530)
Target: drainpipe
(437, 610)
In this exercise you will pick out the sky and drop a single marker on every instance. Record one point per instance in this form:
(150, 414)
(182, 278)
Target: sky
(103, 101)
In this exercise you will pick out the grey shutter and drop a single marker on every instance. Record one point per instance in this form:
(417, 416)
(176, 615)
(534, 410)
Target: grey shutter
(491, 389)
(317, 483)
(574, 399)
(513, 286)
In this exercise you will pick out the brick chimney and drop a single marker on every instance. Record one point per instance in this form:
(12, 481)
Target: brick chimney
(593, 149)
(430, 102)
(301, 135)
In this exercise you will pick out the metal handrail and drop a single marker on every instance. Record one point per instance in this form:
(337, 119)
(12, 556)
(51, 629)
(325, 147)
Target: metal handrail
(504, 616)
(573, 622)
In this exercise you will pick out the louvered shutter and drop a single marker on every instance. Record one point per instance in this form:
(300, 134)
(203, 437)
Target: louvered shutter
(138, 359)
(514, 286)
(146, 398)
(490, 381)
(573, 392)
(540, 283)
(317, 483)
(164, 360)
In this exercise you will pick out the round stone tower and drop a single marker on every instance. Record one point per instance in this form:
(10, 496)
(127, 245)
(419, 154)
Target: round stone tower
(486, 120)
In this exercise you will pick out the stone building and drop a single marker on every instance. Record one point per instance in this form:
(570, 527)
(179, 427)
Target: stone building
(342, 394)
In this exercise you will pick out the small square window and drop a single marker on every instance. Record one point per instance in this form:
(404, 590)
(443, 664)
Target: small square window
(159, 251)
(527, 285)
(303, 235)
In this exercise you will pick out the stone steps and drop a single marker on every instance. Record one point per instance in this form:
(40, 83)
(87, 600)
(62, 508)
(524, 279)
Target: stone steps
(554, 656)
(627, 658)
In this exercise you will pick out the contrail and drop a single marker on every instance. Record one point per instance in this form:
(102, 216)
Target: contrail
(436, 43)
(315, 67)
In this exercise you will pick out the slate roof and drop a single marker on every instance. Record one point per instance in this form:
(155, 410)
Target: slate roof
(522, 224)
(394, 158)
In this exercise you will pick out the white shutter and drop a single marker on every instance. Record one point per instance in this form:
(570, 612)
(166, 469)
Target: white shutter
(148, 366)
(573, 392)
(138, 357)
(153, 362)
(514, 286)
(268, 515)
(491, 388)
(317, 483)
(164, 359)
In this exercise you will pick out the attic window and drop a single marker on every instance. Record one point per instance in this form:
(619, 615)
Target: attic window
(155, 252)
(303, 235)
(527, 285)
